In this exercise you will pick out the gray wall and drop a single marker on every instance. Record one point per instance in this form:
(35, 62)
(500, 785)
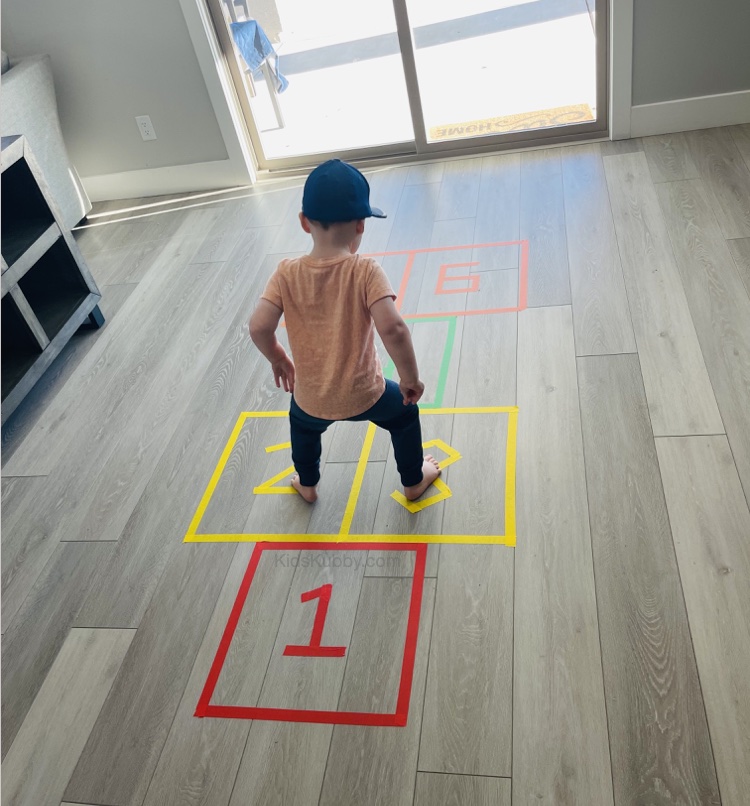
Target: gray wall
(112, 61)
(687, 48)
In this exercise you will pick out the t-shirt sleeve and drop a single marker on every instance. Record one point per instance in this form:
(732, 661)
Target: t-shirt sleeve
(378, 285)
(272, 291)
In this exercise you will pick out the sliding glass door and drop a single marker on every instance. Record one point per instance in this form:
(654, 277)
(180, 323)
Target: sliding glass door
(401, 77)
(486, 68)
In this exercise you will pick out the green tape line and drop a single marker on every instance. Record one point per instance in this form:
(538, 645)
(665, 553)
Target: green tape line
(390, 368)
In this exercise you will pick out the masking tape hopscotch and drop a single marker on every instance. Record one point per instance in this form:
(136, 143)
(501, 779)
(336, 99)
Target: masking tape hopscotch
(508, 538)
(268, 487)
(444, 491)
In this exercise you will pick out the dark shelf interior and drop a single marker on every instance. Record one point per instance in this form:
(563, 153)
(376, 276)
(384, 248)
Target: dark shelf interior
(54, 287)
(19, 347)
(25, 213)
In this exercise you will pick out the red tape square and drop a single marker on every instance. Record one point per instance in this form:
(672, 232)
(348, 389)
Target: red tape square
(396, 719)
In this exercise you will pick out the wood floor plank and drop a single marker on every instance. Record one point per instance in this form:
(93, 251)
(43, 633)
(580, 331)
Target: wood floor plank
(727, 177)
(221, 239)
(461, 790)
(425, 172)
(82, 500)
(347, 440)
(478, 479)
(25, 552)
(455, 232)
(377, 765)
(542, 224)
(459, 190)
(414, 218)
(285, 763)
(487, 371)
(741, 136)
(124, 361)
(237, 380)
(437, 346)
(710, 523)
(201, 757)
(383, 563)
(35, 404)
(393, 519)
(629, 146)
(328, 512)
(124, 230)
(601, 316)
(273, 205)
(467, 722)
(669, 158)
(44, 753)
(108, 503)
(386, 187)
(234, 508)
(498, 210)
(719, 306)
(304, 682)
(290, 237)
(130, 264)
(136, 717)
(740, 249)
(661, 750)
(680, 397)
(58, 511)
(168, 223)
(41, 626)
(560, 747)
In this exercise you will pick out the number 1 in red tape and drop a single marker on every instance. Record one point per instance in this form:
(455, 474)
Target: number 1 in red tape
(314, 648)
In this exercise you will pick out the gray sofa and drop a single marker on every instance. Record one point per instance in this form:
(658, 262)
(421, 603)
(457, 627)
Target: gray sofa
(29, 107)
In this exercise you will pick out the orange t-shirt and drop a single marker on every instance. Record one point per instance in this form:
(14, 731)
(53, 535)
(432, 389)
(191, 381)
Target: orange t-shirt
(326, 304)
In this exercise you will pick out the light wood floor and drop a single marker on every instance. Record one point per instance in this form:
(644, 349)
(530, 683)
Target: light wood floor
(602, 660)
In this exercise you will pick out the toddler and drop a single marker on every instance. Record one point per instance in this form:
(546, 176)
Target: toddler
(333, 300)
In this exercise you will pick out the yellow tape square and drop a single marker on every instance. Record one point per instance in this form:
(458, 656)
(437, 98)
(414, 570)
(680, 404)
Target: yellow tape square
(506, 538)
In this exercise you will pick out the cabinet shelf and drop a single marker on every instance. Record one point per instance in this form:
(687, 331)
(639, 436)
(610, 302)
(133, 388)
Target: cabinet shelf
(20, 349)
(25, 215)
(47, 289)
(54, 288)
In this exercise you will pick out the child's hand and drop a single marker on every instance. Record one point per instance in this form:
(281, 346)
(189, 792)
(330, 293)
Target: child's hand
(283, 372)
(412, 392)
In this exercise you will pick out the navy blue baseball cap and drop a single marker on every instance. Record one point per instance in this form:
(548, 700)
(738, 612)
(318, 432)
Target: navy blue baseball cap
(337, 191)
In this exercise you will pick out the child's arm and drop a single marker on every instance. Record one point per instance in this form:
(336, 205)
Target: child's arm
(263, 324)
(397, 340)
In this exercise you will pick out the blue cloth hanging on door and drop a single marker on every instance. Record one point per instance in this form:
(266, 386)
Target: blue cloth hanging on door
(255, 47)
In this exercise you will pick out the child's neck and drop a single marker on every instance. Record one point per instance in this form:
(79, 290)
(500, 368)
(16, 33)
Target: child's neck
(328, 251)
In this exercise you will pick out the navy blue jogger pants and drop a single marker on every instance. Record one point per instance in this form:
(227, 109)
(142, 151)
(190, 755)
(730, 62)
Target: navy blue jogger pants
(390, 413)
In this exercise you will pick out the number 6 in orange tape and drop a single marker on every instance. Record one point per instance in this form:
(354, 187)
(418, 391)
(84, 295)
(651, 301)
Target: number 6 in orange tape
(444, 278)
(314, 648)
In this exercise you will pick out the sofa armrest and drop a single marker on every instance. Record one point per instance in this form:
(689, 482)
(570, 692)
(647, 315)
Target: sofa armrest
(29, 105)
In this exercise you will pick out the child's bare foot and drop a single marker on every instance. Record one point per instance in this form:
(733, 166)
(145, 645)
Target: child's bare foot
(430, 471)
(310, 494)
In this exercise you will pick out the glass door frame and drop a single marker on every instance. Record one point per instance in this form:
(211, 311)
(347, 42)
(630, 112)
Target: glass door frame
(420, 148)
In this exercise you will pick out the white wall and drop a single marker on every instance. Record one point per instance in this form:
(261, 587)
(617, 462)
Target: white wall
(112, 61)
(689, 48)
(679, 65)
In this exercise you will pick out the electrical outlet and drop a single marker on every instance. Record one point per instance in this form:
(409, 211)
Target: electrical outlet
(145, 127)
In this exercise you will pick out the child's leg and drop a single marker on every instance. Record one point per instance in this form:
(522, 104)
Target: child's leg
(306, 432)
(402, 422)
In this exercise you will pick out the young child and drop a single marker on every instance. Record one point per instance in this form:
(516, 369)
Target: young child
(333, 300)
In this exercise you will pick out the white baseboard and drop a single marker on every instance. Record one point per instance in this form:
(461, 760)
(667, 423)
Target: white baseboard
(165, 181)
(704, 112)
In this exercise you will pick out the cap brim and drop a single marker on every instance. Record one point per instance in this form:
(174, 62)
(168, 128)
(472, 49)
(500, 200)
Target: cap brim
(377, 212)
